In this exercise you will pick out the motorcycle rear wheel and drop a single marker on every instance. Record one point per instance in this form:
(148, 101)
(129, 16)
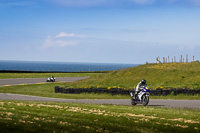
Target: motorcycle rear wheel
(133, 101)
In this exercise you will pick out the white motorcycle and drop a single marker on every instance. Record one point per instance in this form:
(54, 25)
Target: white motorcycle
(52, 79)
(142, 97)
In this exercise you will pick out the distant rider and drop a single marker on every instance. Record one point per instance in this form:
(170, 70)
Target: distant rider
(140, 87)
(52, 78)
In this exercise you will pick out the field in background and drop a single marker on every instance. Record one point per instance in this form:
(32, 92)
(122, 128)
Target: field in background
(173, 75)
(44, 75)
(48, 90)
(170, 75)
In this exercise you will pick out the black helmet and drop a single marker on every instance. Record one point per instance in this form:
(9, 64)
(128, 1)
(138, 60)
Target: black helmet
(143, 81)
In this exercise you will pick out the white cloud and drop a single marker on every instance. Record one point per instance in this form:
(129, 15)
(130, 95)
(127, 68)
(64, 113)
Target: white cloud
(79, 3)
(182, 2)
(63, 34)
(118, 3)
(54, 42)
(99, 3)
(171, 2)
(143, 2)
(63, 43)
(61, 40)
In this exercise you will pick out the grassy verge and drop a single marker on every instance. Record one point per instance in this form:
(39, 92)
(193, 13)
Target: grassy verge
(70, 117)
(44, 75)
(47, 90)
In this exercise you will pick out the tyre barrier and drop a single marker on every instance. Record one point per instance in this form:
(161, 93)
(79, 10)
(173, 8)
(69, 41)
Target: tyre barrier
(119, 91)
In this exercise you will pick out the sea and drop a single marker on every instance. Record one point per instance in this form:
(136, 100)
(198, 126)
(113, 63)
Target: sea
(42, 66)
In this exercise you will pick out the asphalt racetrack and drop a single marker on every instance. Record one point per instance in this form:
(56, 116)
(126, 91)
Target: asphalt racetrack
(194, 104)
(18, 81)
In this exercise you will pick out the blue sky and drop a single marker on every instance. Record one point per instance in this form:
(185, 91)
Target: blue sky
(99, 31)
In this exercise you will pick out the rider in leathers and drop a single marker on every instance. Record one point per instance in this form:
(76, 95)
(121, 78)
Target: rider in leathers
(140, 87)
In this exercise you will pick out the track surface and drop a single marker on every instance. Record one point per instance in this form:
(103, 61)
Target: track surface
(4, 82)
(194, 104)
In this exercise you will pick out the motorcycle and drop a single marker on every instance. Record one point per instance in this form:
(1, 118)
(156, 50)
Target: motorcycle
(142, 97)
(52, 79)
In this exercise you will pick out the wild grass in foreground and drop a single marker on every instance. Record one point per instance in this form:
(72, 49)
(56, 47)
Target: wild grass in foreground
(47, 90)
(70, 117)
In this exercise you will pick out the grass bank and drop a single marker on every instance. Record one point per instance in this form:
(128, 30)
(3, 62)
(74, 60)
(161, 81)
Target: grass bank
(70, 117)
(172, 75)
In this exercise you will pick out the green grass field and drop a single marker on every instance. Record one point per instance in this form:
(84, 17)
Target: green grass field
(71, 117)
(172, 75)
(47, 90)
(44, 75)
(20, 116)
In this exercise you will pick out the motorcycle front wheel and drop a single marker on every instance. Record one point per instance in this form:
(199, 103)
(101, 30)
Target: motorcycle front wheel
(133, 102)
(145, 100)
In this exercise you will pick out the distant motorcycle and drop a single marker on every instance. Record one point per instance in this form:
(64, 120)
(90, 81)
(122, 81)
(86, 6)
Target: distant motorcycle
(52, 79)
(142, 97)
